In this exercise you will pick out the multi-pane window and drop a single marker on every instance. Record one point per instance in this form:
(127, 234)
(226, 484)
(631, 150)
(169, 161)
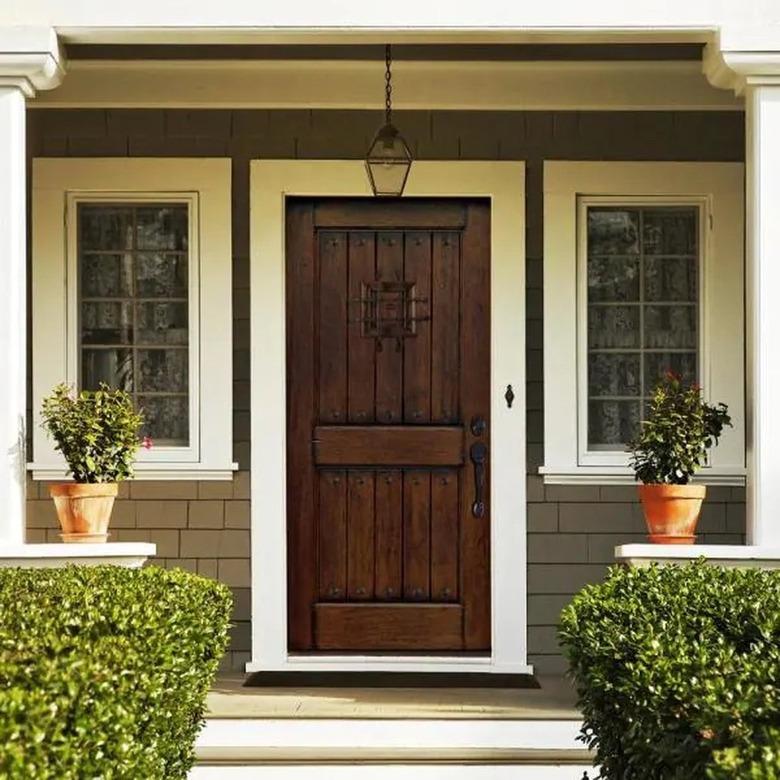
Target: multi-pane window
(134, 334)
(642, 311)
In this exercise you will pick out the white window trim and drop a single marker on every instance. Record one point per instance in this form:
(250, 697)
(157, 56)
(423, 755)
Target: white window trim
(718, 190)
(204, 184)
(271, 181)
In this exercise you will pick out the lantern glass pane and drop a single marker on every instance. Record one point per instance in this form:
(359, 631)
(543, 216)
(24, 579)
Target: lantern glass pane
(388, 178)
(388, 162)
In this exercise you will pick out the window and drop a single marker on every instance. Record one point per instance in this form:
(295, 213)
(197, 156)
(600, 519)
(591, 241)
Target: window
(146, 301)
(134, 267)
(643, 275)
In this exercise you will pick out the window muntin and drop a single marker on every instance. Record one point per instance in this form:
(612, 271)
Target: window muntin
(134, 308)
(641, 279)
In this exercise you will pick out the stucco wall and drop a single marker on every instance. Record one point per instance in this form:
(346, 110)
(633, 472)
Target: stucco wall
(204, 526)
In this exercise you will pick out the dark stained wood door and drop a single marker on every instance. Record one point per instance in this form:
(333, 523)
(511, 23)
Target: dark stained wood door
(388, 383)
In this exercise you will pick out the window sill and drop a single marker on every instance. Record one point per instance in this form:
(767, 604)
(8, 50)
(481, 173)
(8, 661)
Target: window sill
(41, 472)
(620, 475)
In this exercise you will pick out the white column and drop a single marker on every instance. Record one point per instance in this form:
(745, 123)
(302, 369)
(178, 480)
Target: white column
(30, 60)
(13, 309)
(763, 313)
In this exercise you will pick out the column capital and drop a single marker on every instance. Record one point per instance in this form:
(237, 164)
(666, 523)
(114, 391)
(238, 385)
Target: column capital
(736, 69)
(31, 59)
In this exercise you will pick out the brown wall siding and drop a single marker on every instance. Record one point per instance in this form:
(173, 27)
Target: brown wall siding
(204, 526)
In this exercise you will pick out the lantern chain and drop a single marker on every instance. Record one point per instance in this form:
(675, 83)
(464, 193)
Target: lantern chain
(388, 85)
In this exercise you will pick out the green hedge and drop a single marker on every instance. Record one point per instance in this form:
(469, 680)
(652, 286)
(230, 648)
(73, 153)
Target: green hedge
(104, 671)
(678, 672)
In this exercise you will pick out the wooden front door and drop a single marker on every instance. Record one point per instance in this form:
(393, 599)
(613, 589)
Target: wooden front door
(388, 425)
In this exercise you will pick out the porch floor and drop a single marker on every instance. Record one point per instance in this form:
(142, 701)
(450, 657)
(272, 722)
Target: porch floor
(553, 700)
(285, 733)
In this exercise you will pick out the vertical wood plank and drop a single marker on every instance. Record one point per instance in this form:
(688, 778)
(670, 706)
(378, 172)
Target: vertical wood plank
(475, 400)
(332, 536)
(360, 536)
(388, 539)
(300, 273)
(333, 327)
(389, 361)
(417, 537)
(445, 327)
(362, 349)
(445, 541)
(417, 348)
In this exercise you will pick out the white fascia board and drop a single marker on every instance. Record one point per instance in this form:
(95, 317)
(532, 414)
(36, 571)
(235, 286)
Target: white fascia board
(554, 15)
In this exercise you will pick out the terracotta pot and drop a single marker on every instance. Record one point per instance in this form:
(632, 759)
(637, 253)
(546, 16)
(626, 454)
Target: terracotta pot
(671, 512)
(84, 510)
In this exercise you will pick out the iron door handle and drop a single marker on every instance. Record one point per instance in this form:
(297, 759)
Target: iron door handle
(478, 455)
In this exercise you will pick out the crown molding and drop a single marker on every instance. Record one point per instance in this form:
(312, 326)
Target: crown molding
(735, 70)
(30, 59)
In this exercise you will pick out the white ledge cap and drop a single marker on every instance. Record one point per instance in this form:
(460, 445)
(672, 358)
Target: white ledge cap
(730, 555)
(734, 69)
(30, 59)
(57, 555)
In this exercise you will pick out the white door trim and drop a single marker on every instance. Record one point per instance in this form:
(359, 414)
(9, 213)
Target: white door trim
(504, 184)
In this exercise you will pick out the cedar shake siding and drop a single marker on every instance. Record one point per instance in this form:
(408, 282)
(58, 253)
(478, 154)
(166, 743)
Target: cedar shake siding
(204, 526)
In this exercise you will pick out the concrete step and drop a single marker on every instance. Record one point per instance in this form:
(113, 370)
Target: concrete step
(305, 748)
(410, 771)
(341, 733)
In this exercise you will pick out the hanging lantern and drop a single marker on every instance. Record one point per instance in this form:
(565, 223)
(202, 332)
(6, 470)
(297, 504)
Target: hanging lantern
(388, 160)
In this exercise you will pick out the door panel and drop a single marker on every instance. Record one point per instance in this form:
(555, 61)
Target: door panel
(362, 264)
(388, 359)
(388, 352)
(389, 627)
(387, 445)
(388, 524)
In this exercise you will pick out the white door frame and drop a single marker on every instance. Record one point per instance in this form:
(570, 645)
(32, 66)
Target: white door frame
(271, 181)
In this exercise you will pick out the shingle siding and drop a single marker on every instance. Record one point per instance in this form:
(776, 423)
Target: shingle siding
(572, 530)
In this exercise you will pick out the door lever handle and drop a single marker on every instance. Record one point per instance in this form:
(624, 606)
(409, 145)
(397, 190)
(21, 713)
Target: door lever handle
(478, 454)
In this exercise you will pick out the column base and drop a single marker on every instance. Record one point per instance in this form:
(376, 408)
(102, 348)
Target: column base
(729, 555)
(131, 555)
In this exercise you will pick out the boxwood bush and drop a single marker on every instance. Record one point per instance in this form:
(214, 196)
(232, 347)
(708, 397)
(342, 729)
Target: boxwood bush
(677, 670)
(104, 671)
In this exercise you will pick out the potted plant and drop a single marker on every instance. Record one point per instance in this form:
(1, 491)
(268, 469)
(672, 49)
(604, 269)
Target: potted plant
(97, 434)
(671, 447)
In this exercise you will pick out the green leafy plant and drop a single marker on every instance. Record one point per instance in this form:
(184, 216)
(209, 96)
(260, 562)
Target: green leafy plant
(96, 431)
(681, 427)
(105, 670)
(676, 670)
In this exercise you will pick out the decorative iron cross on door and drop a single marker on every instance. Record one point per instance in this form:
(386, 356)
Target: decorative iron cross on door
(389, 310)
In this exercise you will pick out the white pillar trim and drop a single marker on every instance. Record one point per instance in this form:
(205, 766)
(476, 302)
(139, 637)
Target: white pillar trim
(30, 59)
(736, 70)
(13, 324)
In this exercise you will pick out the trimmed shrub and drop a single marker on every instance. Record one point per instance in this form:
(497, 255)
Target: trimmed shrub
(677, 670)
(104, 671)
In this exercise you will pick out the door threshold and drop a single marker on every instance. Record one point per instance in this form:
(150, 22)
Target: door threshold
(393, 665)
(367, 679)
